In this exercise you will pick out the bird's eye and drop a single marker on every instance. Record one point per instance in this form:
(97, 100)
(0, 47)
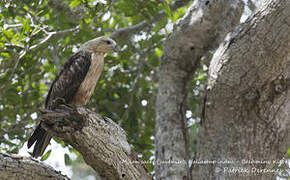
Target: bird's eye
(108, 42)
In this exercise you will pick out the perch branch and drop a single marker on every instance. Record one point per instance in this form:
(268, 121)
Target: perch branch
(102, 143)
(18, 167)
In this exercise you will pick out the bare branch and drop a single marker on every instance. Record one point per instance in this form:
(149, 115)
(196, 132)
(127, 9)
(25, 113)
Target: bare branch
(18, 168)
(125, 33)
(107, 10)
(51, 34)
(48, 37)
(102, 143)
(13, 25)
(25, 50)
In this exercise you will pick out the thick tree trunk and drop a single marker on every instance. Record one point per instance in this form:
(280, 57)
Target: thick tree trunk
(247, 107)
(102, 143)
(201, 29)
(13, 167)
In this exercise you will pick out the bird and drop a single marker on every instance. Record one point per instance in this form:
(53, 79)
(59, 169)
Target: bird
(75, 83)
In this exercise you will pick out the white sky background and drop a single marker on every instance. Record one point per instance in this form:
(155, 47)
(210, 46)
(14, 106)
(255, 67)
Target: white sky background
(56, 158)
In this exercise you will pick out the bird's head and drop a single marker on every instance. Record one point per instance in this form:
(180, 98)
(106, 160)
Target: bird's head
(101, 44)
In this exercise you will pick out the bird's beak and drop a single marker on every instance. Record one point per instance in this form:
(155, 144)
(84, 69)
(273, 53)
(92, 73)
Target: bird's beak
(116, 48)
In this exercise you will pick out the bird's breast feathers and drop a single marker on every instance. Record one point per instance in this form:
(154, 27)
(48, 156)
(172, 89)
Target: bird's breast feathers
(87, 87)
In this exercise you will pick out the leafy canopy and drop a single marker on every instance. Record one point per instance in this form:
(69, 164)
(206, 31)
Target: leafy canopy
(36, 38)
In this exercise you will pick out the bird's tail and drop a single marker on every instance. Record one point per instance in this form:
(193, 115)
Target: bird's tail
(41, 139)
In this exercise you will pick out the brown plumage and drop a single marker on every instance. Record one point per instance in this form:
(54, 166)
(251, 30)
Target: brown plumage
(75, 83)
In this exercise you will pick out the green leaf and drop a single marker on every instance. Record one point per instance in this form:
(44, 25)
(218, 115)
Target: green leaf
(26, 8)
(8, 33)
(167, 9)
(72, 150)
(67, 160)
(45, 156)
(74, 3)
(26, 26)
(7, 55)
(116, 96)
(158, 52)
(24, 92)
(39, 13)
(288, 153)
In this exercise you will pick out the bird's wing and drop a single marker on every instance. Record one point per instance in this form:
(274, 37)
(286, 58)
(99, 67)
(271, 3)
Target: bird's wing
(70, 78)
(64, 86)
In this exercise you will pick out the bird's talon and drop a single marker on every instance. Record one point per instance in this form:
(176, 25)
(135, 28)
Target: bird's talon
(45, 111)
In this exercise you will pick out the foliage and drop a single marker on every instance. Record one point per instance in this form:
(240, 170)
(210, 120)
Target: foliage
(36, 37)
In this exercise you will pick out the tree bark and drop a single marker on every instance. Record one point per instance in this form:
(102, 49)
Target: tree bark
(200, 30)
(246, 120)
(102, 143)
(17, 167)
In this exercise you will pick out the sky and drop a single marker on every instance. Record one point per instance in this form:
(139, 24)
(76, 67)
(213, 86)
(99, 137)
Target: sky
(56, 158)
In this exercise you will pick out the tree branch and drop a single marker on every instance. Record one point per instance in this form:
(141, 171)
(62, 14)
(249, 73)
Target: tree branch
(103, 13)
(102, 143)
(74, 14)
(141, 62)
(18, 168)
(51, 34)
(125, 33)
(247, 106)
(251, 5)
(25, 50)
(202, 28)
